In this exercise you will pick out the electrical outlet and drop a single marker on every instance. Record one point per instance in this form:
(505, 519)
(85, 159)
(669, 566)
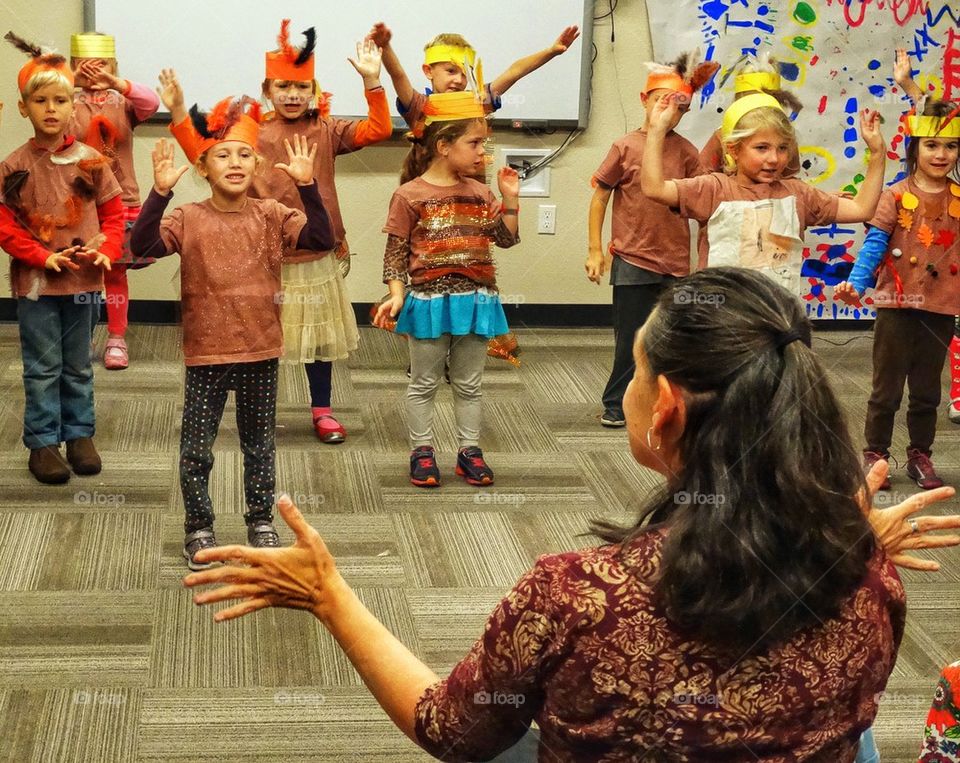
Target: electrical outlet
(547, 218)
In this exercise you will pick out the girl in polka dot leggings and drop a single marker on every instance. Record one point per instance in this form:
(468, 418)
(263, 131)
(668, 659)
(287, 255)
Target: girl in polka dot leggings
(231, 248)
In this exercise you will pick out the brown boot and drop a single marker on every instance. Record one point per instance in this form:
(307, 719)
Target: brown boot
(48, 466)
(83, 456)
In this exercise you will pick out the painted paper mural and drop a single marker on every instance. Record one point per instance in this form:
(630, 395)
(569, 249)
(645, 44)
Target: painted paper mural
(837, 56)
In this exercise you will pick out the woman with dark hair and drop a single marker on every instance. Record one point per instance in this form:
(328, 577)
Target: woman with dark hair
(751, 614)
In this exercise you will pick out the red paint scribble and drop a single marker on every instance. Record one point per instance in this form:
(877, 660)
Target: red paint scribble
(951, 65)
(823, 104)
(855, 11)
(813, 61)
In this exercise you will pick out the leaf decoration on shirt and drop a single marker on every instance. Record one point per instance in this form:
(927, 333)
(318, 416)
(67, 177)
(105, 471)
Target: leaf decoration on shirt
(945, 238)
(925, 235)
(904, 218)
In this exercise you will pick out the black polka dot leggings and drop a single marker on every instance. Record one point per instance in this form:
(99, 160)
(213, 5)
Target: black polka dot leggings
(205, 394)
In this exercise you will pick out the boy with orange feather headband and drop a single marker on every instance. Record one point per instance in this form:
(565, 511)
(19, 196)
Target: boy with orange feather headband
(650, 243)
(62, 223)
(319, 325)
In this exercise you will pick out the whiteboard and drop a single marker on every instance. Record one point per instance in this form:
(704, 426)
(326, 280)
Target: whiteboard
(217, 47)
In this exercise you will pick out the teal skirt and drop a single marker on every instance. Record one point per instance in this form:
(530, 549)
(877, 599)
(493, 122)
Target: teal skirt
(428, 316)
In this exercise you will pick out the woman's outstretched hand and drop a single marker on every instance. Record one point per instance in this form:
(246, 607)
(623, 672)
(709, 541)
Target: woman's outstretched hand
(301, 576)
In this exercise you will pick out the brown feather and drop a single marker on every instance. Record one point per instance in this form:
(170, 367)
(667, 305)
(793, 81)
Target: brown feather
(27, 47)
(702, 73)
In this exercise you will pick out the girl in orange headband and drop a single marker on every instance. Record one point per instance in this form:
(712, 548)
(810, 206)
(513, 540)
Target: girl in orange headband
(106, 111)
(319, 325)
(231, 247)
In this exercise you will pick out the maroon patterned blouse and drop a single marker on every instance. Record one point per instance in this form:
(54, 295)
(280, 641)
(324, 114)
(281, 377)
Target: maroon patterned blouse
(579, 647)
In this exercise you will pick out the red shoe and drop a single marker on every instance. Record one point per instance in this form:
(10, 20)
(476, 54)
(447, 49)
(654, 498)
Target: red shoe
(920, 469)
(472, 467)
(115, 357)
(423, 467)
(329, 430)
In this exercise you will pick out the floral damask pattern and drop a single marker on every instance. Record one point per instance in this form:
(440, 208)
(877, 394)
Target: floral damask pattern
(580, 647)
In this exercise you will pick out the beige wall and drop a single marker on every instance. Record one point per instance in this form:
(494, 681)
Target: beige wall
(543, 269)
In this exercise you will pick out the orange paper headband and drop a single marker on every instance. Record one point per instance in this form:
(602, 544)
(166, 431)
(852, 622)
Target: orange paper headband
(447, 107)
(289, 63)
(50, 63)
(667, 81)
(227, 121)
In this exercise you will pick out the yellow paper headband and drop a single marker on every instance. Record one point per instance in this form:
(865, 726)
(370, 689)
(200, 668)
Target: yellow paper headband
(92, 46)
(758, 81)
(933, 127)
(438, 54)
(740, 107)
(447, 107)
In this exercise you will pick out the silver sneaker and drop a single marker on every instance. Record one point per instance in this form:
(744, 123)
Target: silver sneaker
(194, 542)
(262, 535)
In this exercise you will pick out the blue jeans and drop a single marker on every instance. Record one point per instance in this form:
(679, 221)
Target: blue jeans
(868, 752)
(57, 376)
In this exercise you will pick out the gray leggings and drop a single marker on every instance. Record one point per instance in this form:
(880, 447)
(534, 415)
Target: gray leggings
(427, 359)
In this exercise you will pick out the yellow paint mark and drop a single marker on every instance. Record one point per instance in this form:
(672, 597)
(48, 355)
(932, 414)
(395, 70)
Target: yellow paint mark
(823, 154)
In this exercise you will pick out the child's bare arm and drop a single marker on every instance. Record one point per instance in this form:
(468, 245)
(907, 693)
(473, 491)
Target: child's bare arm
(381, 36)
(598, 210)
(523, 66)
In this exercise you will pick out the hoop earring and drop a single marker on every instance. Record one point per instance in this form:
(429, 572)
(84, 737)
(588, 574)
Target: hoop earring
(649, 444)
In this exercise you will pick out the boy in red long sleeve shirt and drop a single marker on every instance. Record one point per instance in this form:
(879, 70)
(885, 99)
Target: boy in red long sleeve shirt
(61, 221)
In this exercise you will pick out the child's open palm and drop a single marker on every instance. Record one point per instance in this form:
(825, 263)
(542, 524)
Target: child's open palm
(508, 181)
(902, 70)
(567, 37)
(170, 91)
(368, 58)
(165, 175)
(300, 156)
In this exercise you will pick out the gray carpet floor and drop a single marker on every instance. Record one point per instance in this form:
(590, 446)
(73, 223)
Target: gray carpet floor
(103, 657)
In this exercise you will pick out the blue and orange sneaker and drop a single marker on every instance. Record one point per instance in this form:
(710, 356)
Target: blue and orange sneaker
(472, 467)
(423, 467)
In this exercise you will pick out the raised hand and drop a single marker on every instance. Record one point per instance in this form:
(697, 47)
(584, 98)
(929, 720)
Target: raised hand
(567, 37)
(902, 69)
(170, 92)
(870, 131)
(380, 34)
(300, 158)
(508, 181)
(301, 576)
(663, 114)
(368, 58)
(165, 175)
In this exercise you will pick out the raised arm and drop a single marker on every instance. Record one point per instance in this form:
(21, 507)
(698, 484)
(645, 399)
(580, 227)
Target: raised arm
(652, 184)
(862, 208)
(523, 66)
(381, 36)
(903, 76)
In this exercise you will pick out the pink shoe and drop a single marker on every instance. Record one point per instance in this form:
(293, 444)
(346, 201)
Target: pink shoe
(115, 356)
(329, 430)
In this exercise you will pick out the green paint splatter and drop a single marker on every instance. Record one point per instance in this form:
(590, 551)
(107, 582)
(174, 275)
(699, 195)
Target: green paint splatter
(802, 43)
(858, 178)
(804, 14)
